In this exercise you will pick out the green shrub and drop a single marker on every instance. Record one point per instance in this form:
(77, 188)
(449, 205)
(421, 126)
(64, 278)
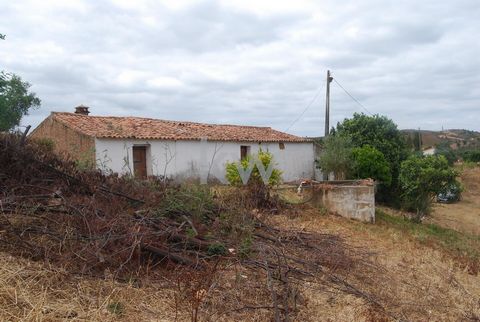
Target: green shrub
(216, 249)
(265, 157)
(422, 179)
(445, 150)
(193, 201)
(381, 133)
(471, 156)
(368, 162)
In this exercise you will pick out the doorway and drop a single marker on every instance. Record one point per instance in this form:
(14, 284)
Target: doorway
(140, 161)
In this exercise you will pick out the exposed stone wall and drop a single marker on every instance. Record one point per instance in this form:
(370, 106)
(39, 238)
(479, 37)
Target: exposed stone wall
(350, 201)
(66, 140)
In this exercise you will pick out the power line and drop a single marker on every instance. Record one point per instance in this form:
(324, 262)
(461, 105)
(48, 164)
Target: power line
(351, 96)
(306, 108)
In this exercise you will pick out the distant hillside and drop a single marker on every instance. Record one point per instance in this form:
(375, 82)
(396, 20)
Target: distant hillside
(456, 138)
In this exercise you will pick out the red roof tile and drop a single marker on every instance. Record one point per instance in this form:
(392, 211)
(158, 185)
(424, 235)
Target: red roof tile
(146, 128)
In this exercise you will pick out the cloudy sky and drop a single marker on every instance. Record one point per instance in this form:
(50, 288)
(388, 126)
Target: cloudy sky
(250, 62)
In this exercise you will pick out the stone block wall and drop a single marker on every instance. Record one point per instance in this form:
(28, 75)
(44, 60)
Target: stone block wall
(350, 201)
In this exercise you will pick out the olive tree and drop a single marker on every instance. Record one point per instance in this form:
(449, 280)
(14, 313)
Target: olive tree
(336, 155)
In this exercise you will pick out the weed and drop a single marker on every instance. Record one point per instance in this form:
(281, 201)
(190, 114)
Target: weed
(245, 248)
(46, 144)
(216, 249)
(190, 232)
(116, 308)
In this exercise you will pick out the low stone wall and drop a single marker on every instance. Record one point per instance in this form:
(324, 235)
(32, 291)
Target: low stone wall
(350, 201)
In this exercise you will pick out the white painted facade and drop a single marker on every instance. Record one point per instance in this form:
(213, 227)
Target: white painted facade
(190, 159)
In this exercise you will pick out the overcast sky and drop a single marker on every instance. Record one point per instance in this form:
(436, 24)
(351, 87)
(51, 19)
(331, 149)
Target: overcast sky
(250, 62)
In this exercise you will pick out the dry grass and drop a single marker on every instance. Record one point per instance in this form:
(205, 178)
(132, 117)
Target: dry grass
(463, 216)
(31, 291)
(417, 283)
(421, 282)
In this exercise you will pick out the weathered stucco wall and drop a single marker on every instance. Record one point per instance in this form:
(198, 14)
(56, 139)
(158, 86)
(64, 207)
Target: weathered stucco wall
(350, 201)
(66, 141)
(188, 159)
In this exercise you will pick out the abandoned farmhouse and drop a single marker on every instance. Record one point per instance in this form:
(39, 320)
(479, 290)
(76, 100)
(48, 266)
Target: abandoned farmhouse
(177, 150)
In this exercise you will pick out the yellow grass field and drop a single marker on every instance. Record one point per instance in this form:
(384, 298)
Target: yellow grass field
(463, 216)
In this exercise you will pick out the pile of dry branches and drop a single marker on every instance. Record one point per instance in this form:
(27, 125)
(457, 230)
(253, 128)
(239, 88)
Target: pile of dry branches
(91, 224)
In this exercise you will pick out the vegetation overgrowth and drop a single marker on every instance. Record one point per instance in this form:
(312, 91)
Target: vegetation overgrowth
(88, 224)
(373, 147)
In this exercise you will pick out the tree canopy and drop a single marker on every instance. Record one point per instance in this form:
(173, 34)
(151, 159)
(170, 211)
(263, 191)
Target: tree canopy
(15, 100)
(382, 134)
(336, 155)
(422, 178)
(368, 162)
(379, 132)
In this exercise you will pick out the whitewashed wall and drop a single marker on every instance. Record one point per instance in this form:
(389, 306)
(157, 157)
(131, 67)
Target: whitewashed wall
(186, 159)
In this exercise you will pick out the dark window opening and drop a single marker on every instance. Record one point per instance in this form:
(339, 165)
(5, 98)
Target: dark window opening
(244, 151)
(281, 145)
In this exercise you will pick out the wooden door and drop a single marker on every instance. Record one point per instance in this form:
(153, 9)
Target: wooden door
(140, 161)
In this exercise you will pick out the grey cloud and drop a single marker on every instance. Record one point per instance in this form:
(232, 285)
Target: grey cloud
(416, 62)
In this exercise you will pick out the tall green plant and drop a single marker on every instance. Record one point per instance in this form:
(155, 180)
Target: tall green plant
(421, 179)
(381, 133)
(368, 162)
(336, 155)
(445, 150)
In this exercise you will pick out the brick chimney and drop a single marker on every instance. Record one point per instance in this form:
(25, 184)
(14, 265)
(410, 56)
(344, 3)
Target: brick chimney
(82, 109)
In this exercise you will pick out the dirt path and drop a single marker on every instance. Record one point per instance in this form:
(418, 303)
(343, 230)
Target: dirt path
(463, 216)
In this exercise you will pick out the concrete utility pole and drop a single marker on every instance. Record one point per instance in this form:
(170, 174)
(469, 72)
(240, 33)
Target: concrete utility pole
(327, 113)
(327, 105)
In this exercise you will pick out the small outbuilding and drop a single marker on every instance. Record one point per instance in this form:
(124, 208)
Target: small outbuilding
(178, 150)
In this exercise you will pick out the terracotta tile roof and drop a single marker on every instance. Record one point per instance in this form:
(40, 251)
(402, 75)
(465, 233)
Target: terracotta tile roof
(146, 128)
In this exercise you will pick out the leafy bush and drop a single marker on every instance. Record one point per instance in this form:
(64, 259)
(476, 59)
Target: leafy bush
(445, 150)
(423, 178)
(381, 133)
(265, 157)
(336, 155)
(368, 162)
(471, 156)
(193, 201)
